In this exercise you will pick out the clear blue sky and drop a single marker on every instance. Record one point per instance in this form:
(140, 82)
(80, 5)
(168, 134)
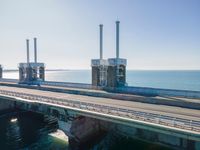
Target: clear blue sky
(154, 34)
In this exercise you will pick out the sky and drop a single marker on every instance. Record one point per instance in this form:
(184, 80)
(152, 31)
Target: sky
(154, 34)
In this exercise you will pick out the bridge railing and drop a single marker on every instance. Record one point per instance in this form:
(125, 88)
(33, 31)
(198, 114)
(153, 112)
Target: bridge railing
(165, 120)
(148, 91)
(70, 84)
(57, 84)
(9, 80)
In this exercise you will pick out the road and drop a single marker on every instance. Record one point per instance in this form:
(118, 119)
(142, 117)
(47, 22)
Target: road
(176, 112)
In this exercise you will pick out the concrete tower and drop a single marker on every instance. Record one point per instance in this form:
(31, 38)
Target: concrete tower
(99, 66)
(1, 71)
(31, 72)
(116, 75)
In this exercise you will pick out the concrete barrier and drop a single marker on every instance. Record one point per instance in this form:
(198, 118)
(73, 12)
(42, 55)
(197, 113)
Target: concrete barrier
(157, 92)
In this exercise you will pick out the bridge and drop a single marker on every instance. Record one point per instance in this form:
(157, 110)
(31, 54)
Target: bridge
(164, 116)
(134, 111)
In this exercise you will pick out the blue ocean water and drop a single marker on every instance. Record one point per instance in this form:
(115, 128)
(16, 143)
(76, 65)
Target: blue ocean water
(183, 80)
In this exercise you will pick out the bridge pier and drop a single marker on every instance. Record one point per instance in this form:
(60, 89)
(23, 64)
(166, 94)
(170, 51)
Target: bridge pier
(80, 130)
(85, 131)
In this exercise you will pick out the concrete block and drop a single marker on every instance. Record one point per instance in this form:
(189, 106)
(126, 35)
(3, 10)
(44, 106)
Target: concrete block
(169, 140)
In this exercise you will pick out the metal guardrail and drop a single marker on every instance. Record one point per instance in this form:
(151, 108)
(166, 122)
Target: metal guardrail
(165, 120)
(68, 84)
(57, 84)
(9, 80)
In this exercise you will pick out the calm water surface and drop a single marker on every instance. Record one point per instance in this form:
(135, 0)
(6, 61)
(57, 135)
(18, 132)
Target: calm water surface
(27, 133)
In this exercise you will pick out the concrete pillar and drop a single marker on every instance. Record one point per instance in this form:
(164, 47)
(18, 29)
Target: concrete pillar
(35, 71)
(95, 75)
(112, 77)
(21, 74)
(42, 73)
(84, 129)
(27, 48)
(101, 41)
(117, 39)
(116, 72)
(29, 74)
(1, 72)
(35, 50)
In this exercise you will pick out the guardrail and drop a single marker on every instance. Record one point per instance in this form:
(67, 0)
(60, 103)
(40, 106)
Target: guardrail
(165, 120)
(69, 84)
(9, 80)
(57, 84)
(157, 92)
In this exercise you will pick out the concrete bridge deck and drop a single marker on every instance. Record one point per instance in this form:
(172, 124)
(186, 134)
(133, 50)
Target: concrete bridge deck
(187, 99)
(171, 112)
(179, 112)
(184, 120)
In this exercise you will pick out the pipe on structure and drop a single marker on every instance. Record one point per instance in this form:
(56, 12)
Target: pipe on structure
(35, 50)
(27, 48)
(117, 39)
(101, 40)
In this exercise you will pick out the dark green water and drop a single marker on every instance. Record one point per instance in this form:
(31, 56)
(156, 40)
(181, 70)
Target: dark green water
(27, 133)
(130, 144)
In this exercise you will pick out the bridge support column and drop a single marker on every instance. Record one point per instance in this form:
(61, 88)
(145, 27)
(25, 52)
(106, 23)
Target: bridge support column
(84, 129)
(6, 104)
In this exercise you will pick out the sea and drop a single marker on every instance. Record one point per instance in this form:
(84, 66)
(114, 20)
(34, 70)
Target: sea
(27, 132)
